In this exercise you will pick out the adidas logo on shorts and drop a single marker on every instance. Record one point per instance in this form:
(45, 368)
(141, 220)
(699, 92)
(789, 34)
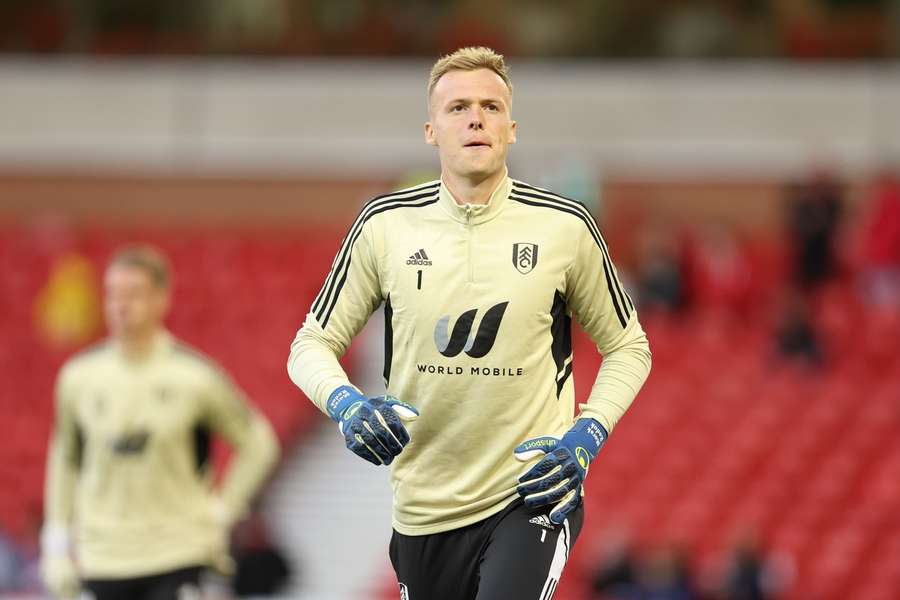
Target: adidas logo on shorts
(543, 521)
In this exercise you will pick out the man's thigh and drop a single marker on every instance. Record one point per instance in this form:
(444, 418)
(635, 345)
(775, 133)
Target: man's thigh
(526, 554)
(112, 589)
(440, 566)
(183, 584)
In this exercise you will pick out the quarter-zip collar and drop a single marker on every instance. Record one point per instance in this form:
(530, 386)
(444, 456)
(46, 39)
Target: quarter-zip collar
(473, 214)
(162, 343)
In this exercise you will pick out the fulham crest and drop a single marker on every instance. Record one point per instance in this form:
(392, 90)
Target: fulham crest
(524, 257)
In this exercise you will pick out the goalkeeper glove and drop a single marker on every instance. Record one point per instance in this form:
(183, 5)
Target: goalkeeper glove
(372, 427)
(58, 570)
(558, 477)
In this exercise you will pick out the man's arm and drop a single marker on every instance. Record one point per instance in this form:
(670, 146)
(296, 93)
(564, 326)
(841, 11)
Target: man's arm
(605, 311)
(602, 307)
(350, 294)
(255, 447)
(63, 462)
(372, 427)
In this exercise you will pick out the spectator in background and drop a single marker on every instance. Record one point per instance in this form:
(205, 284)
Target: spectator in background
(660, 271)
(720, 273)
(795, 336)
(814, 215)
(881, 243)
(750, 574)
(616, 574)
(128, 474)
(664, 575)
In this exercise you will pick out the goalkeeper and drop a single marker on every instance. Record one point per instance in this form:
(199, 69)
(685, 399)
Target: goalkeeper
(130, 512)
(480, 276)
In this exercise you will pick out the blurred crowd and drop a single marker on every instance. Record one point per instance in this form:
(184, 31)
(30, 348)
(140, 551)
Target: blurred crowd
(821, 253)
(795, 29)
(625, 572)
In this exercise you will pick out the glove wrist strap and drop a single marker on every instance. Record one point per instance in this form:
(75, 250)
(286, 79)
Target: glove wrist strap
(341, 399)
(589, 434)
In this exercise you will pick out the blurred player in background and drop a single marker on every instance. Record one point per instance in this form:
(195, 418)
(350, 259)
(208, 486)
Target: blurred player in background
(129, 484)
(480, 275)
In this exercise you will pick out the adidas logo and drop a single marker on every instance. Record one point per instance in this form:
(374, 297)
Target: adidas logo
(419, 258)
(543, 521)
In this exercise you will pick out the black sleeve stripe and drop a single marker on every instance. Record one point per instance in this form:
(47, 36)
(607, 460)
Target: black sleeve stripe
(343, 254)
(621, 311)
(325, 310)
(546, 192)
(431, 185)
(357, 223)
(592, 224)
(588, 218)
(388, 340)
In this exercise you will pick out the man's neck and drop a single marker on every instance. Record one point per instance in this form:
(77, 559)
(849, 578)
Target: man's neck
(138, 345)
(472, 191)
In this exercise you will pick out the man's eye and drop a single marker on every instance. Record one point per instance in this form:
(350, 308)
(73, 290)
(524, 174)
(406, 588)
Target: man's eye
(492, 107)
(457, 108)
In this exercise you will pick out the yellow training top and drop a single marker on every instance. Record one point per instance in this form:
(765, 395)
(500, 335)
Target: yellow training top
(128, 460)
(478, 303)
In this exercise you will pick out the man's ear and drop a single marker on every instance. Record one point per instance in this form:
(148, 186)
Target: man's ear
(512, 133)
(429, 134)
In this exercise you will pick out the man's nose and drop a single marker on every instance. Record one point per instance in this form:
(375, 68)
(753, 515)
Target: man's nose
(476, 124)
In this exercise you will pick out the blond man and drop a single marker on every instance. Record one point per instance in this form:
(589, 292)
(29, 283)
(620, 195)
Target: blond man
(479, 275)
(130, 509)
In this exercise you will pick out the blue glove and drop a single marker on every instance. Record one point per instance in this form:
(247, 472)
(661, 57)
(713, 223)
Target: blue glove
(557, 478)
(372, 427)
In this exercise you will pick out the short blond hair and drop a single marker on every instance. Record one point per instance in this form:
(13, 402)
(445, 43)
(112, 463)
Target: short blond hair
(469, 59)
(146, 258)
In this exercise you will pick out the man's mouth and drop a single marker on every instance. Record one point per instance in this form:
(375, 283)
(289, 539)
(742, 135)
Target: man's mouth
(477, 145)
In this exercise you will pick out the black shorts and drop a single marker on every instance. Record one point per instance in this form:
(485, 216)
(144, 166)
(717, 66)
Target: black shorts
(183, 584)
(516, 554)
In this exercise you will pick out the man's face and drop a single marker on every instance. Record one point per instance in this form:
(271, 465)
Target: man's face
(132, 303)
(471, 123)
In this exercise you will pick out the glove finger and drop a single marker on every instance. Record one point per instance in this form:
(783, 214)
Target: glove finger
(384, 433)
(535, 447)
(540, 469)
(376, 441)
(570, 469)
(405, 411)
(356, 442)
(569, 503)
(552, 494)
(541, 484)
(395, 427)
(360, 449)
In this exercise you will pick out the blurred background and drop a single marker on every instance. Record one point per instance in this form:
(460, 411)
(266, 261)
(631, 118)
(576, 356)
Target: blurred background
(741, 156)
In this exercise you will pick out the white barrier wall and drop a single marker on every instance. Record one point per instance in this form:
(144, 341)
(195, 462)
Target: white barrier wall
(358, 118)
